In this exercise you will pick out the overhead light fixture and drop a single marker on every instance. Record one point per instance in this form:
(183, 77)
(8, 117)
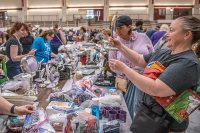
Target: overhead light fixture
(139, 4)
(88, 5)
(43, 10)
(54, 6)
(128, 8)
(170, 4)
(12, 10)
(77, 8)
(72, 9)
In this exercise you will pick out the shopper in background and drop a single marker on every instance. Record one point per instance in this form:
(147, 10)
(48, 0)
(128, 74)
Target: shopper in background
(27, 40)
(159, 34)
(43, 48)
(58, 39)
(83, 35)
(14, 49)
(139, 28)
(2, 38)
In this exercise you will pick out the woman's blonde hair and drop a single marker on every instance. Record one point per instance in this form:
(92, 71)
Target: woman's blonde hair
(164, 27)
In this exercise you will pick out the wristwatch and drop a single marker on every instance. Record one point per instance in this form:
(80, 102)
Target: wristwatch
(12, 109)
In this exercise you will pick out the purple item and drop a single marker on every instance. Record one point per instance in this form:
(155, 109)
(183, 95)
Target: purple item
(122, 115)
(112, 115)
(56, 39)
(156, 36)
(106, 111)
(116, 108)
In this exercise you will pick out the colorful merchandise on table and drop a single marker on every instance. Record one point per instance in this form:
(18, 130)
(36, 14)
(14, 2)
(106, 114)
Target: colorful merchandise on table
(102, 91)
(34, 121)
(60, 96)
(57, 107)
(81, 122)
(113, 113)
(15, 123)
(111, 127)
(57, 120)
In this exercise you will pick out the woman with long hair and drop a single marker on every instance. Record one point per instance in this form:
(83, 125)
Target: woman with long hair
(14, 49)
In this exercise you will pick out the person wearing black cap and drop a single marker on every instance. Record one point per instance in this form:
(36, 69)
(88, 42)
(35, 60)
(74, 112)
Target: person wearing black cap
(138, 42)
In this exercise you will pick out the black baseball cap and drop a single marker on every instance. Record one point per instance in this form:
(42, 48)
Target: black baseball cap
(123, 20)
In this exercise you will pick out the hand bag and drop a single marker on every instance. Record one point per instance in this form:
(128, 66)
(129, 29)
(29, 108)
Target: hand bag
(147, 121)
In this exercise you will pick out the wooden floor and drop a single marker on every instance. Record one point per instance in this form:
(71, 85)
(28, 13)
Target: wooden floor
(44, 93)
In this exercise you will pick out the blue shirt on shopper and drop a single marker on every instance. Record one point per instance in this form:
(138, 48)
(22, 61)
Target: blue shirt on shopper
(43, 49)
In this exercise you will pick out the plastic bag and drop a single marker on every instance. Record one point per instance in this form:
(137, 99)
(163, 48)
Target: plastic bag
(80, 122)
(13, 85)
(46, 128)
(3, 120)
(110, 127)
(15, 123)
(58, 107)
(60, 96)
(34, 120)
(57, 120)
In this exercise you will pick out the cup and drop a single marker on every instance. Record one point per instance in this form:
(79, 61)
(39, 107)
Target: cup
(106, 111)
(112, 115)
(122, 115)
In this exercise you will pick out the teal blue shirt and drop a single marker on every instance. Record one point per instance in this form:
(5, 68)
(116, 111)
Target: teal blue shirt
(43, 49)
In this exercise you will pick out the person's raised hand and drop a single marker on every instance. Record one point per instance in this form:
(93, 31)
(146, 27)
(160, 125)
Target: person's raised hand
(116, 65)
(115, 43)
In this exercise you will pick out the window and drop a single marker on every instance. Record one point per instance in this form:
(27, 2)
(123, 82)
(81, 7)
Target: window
(159, 13)
(178, 12)
(90, 14)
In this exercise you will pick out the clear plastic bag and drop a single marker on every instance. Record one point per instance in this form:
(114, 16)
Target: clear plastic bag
(46, 128)
(34, 120)
(57, 121)
(3, 120)
(80, 122)
(15, 123)
(60, 96)
(15, 85)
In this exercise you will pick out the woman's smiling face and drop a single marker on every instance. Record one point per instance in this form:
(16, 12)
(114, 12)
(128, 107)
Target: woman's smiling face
(175, 36)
